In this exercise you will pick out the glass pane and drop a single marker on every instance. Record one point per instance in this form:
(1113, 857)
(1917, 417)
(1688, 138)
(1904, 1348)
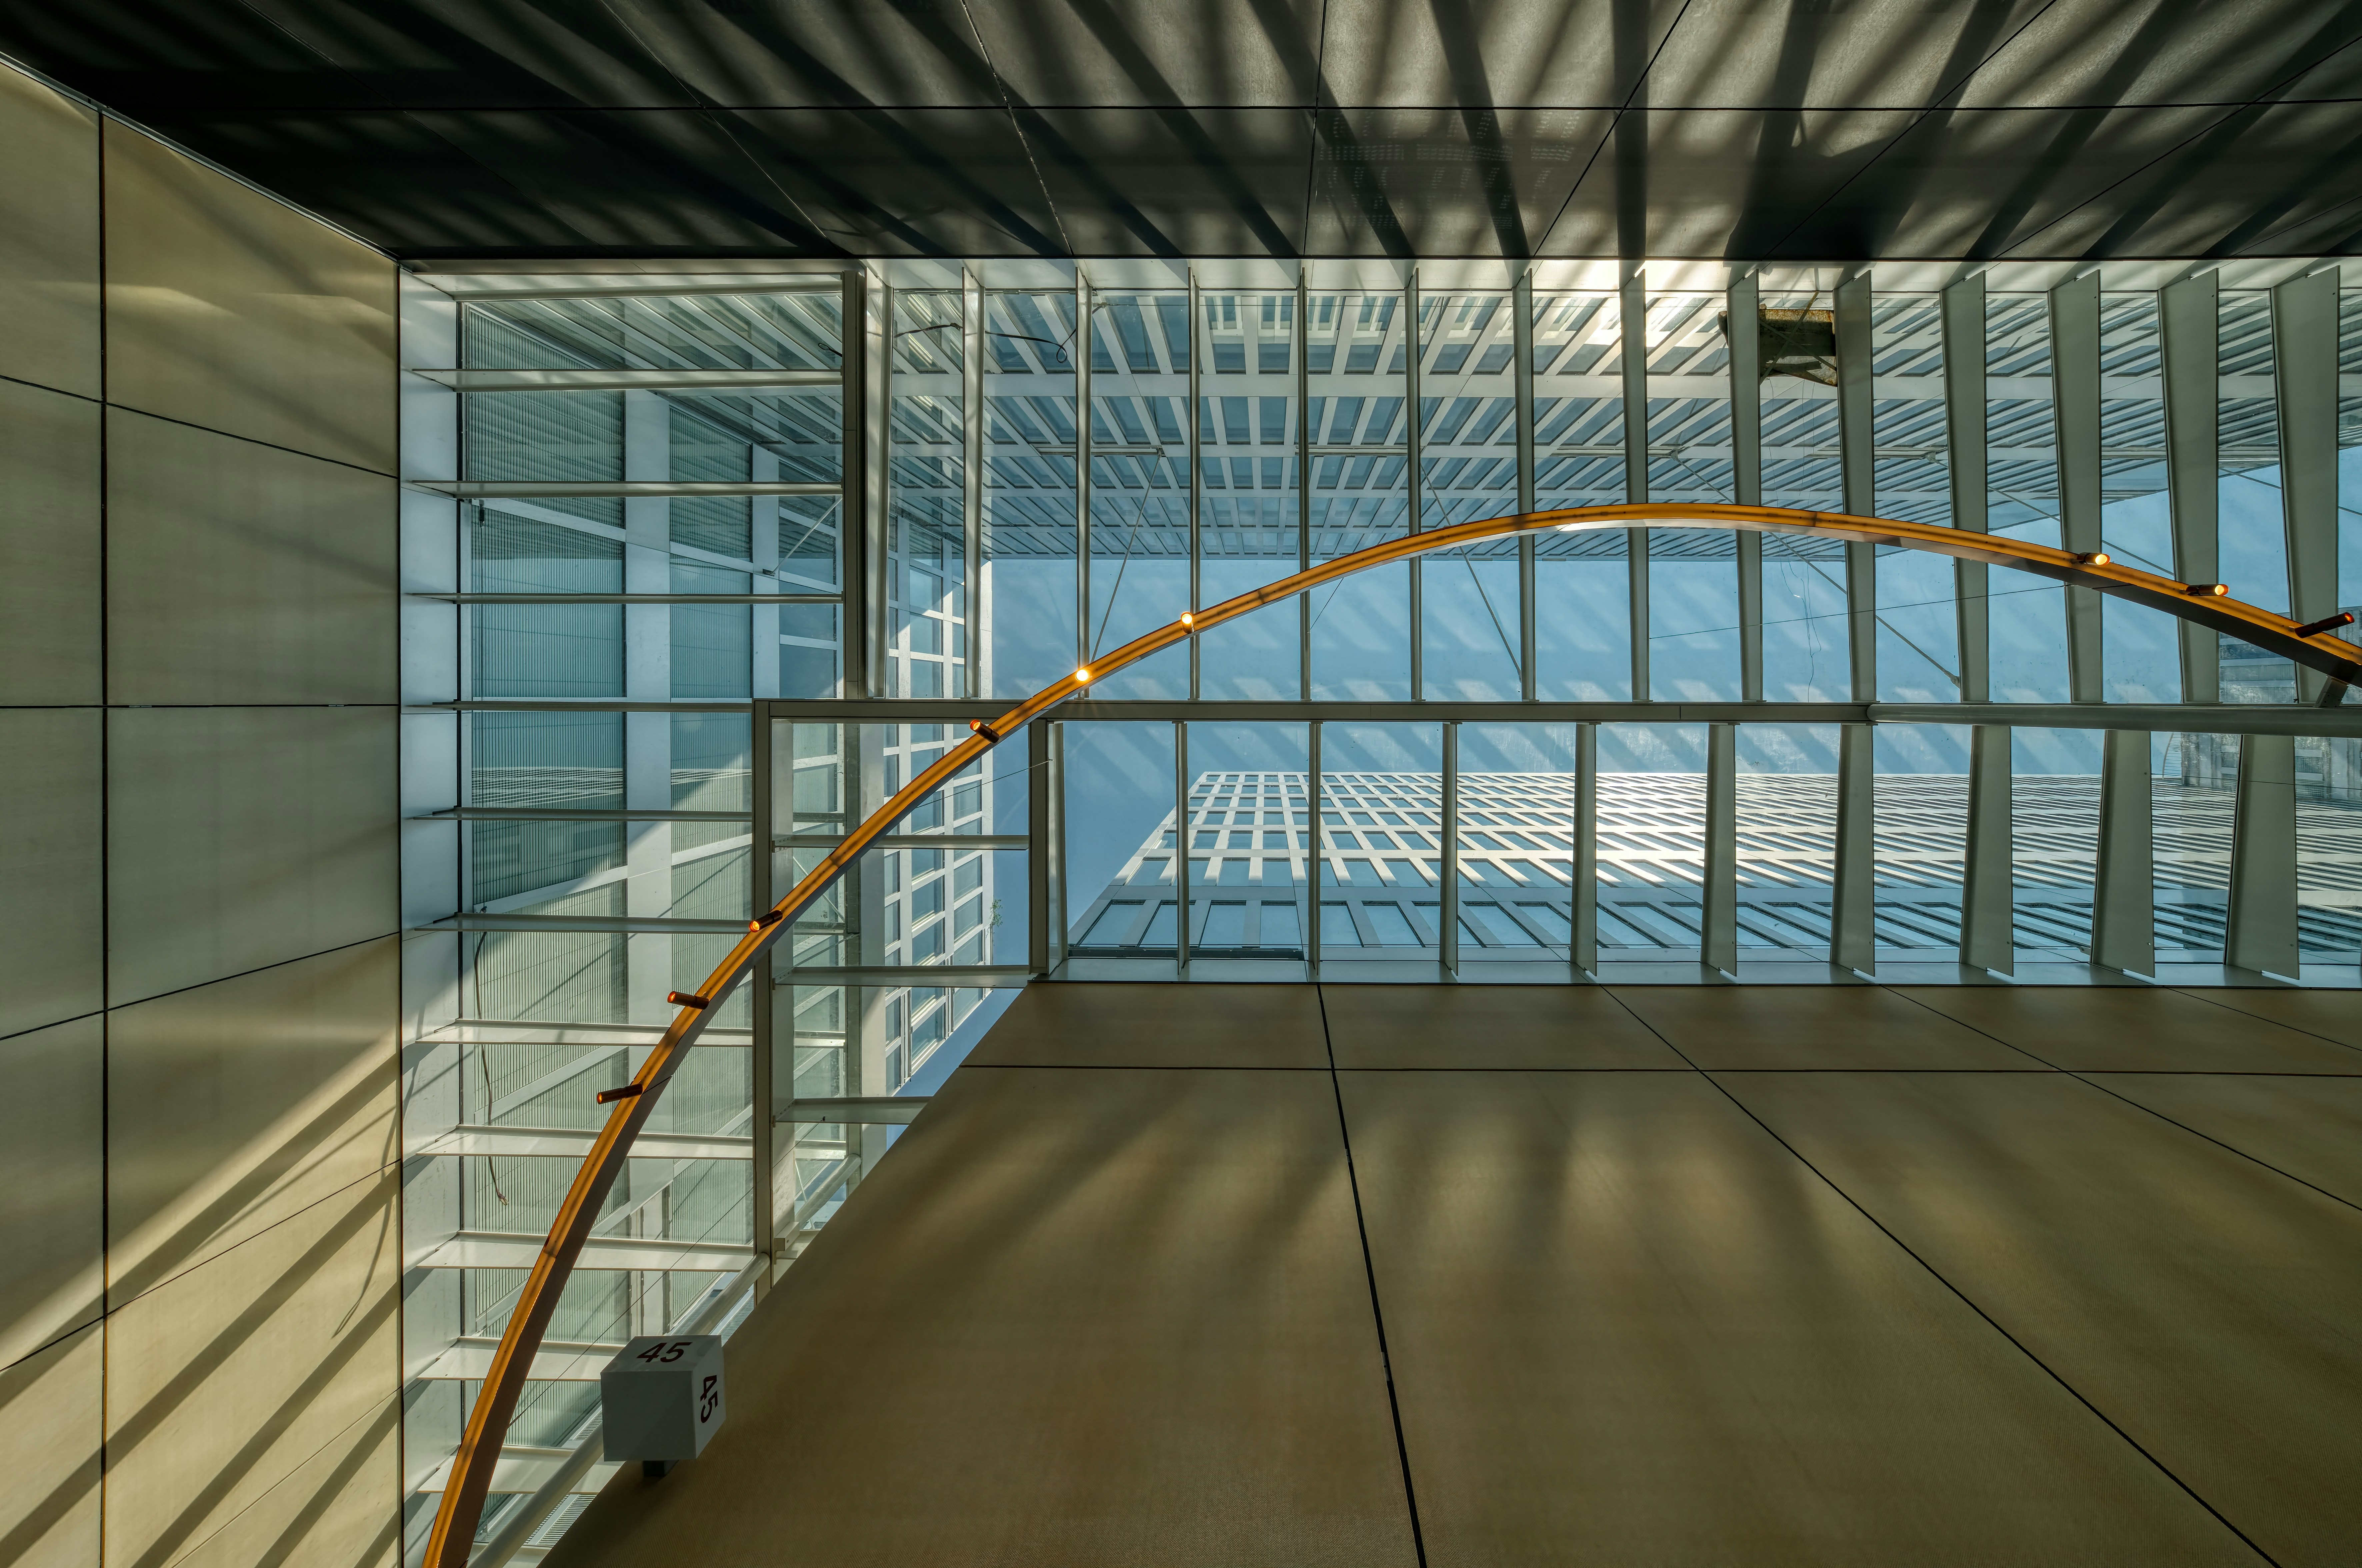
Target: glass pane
(1651, 841)
(2143, 657)
(1919, 617)
(2028, 616)
(1517, 866)
(2329, 850)
(2254, 535)
(2349, 449)
(1806, 655)
(1249, 529)
(1468, 470)
(1030, 637)
(1920, 817)
(1787, 808)
(1249, 831)
(2055, 830)
(1122, 844)
(1381, 866)
(1582, 618)
(693, 331)
(1356, 354)
(2193, 790)
(1693, 575)
(926, 630)
(1140, 484)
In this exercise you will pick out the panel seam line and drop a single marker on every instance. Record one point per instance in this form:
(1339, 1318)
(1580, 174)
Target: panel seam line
(1369, 1272)
(1964, 1298)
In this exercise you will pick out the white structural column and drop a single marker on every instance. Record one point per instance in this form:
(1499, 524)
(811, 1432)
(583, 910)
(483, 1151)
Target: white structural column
(2123, 884)
(1045, 933)
(1412, 437)
(1720, 947)
(647, 678)
(1191, 435)
(2192, 330)
(869, 334)
(1632, 314)
(1449, 902)
(764, 996)
(869, 307)
(1299, 340)
(1964, 419)
(1181, 846)
(1988, 890)
(1585, 916)
(1856, 431)
(2075, 420)
(1084, 329)
(1853, 935)
(1743, 305)
(972, 477)
(2305, 357)
(1315, 850)
(2263, 931)
(1521, 331)
(763, 620)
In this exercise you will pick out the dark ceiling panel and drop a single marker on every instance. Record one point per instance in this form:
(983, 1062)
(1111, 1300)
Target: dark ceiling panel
(1444, 183)
(1779, 128)
(786, 53)
(1974, 184)
(1126, 52)
(910, 181)
(685, 185)
(389, 178)
(1792, 54)
(1717, 181)
(1441, 53)
(2163, 52)
(1206, 182)
(2203, 181)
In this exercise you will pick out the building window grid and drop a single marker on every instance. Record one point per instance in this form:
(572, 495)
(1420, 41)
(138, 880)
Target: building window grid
(928, 603)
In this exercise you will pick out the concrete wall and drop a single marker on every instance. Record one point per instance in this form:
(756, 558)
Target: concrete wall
(199, 970)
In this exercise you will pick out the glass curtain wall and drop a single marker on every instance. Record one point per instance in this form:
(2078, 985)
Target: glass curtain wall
(641, 517)
(635, 533)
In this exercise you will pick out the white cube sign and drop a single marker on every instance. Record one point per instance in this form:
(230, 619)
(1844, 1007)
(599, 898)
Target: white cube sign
(662, 1397)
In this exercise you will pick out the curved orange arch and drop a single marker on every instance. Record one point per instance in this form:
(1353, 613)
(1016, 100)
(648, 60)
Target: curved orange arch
(471, 1472)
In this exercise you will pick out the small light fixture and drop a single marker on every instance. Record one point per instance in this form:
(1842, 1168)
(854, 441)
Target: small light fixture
(987, 731)
(1188, 619)
(1083, 675)
(687, 999)
(609, 1096)
(2093, 558)
(2315, 628)
(2206, 590)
